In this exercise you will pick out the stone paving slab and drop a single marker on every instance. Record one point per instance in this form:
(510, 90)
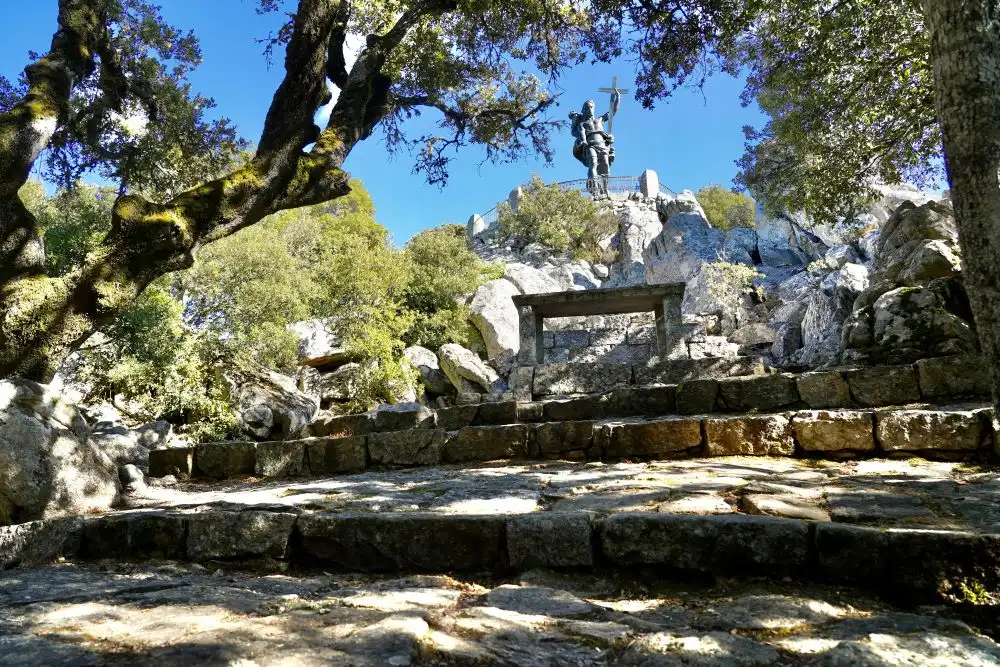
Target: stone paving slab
(878, 492)
(916, 528)
(183, 614)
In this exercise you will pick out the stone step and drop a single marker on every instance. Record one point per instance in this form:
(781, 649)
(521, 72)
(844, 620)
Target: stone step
(914, 563)
(943, 432)
(913, 526)
(938, 380)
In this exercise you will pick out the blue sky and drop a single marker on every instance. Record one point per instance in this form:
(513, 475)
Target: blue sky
(690, 141)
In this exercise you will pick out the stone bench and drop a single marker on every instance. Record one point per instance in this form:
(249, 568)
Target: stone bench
(662, 300)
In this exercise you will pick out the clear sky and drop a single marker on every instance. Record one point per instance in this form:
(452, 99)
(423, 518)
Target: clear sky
(690, 141)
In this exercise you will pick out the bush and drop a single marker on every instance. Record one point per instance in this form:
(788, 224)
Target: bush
(726, 209)
(564, 220)
(443, 272)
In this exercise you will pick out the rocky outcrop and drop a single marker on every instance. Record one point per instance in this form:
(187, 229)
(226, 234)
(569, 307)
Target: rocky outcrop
(268, 405)
(426, 363)
(827, 309)
(639, 224)
(466, 371)
(916, 305)
(494, 314)
(131, 446)
(320, 344)
(49, 466)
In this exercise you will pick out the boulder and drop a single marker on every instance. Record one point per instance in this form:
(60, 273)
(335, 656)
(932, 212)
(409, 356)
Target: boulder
(49, 466)
(494, 314)
(319, 342)
(131, 446)
(462, 368)
(677, 253)
(529, 280)
(828, 308)
(777, 240)
(916, 305)
(426, 363)
(268, 404)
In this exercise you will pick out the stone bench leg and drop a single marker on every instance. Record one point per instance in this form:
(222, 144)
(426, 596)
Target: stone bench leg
(669, 329)
(532, 352)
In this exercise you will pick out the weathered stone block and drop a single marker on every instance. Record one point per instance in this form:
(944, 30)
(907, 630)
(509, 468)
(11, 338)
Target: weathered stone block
(408, 541)
(342, 426)
(723, 543)
(330, 456)
(675, 371)
(571, 339)
(177, 461)
(562, 379)
(238, 535)
(884, 385)
(824, 389)
(654, 437)
(784, 505)
(418, 447)
(951, 377)
(530, 412)
(641, 334)
(38, 543)
(459, 416)
(281, 459)
(220, 460)
(831, 431)
(697, 397)
(498, 412)
(556, 438)
(917, 430)
(768, 392)
(468, 398)
(756, 435)
(653, 401)
(607, 337)
(575, 409)
(851, 553)
(139, 535)
(486, 443)
(550, 539)
(930, 564)
(521, 380)
(403, 416)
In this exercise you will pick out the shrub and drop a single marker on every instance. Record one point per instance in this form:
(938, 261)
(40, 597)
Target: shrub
(724, 208)
(564, 220)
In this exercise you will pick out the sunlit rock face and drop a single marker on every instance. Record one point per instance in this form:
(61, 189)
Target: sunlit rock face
(49, 465)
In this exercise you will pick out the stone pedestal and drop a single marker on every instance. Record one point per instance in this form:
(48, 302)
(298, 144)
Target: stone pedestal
(475, 226)
(649, 184)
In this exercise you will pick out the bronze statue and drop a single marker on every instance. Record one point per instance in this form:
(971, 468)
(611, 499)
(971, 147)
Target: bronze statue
(593, 146)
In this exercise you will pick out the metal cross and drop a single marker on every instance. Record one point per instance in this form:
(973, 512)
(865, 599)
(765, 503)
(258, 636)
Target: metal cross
(613, 90)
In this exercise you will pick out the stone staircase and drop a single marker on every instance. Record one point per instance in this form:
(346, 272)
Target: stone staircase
(935, 408)
(777, 475)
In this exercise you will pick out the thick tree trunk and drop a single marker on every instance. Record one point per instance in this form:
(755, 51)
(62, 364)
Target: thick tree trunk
(965, 53)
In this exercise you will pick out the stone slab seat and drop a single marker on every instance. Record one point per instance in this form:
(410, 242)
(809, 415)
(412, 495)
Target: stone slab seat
(916, 563)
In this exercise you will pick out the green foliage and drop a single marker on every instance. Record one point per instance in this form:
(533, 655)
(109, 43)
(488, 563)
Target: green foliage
(724, 208)
(847, 88)
(328, 261)
(562, 219)
(727, 281)
(442, 273)
(849, 94)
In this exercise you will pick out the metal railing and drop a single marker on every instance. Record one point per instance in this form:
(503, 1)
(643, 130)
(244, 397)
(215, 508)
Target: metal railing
(616, 185)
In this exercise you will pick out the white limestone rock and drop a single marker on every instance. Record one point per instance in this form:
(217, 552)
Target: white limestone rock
(494, 314)
(462, 367)
(426, 363)
(319, 342)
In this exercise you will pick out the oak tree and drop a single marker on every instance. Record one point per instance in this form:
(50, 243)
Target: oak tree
(469, 62)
